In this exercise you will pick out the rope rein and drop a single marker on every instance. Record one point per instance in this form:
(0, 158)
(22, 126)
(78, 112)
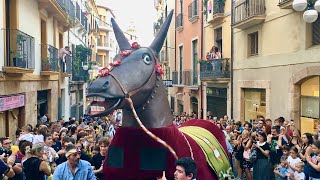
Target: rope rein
(153, 136)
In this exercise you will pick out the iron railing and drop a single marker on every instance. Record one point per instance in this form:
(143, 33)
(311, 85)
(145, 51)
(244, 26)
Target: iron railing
(20, 49)
(67, 6)
(215, 68)
(193, 9)
(245, 9)
(284, 1)
(49, 58)
(179, 20)
(218, 7)
(66, 64)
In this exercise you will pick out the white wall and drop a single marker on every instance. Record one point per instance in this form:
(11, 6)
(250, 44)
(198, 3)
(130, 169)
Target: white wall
(29, 23)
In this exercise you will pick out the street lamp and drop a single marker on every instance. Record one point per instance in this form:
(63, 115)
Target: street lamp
(90, 71)
(312, 6)
(85, 66)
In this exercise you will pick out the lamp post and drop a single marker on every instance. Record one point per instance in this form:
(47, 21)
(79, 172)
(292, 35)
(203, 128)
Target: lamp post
(312, 8)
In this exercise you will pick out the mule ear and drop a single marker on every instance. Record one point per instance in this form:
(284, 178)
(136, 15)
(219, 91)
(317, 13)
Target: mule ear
(159, 40)
(121, 38)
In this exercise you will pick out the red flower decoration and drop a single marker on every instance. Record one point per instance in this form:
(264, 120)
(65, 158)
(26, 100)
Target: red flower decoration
(125, 53)
(104, 72)
(159, 69)
(135, 46)
(115, 63)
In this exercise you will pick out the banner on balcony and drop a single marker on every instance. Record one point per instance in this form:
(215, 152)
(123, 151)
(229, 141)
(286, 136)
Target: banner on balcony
(11, 102)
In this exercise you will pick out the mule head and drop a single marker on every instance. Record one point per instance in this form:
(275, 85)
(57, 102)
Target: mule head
(134, 74)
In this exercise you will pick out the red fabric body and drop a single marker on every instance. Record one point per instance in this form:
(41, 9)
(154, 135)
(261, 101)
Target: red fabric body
(133, 139)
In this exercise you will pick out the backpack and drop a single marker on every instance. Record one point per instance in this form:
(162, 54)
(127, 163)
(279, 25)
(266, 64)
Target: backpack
(253, 155)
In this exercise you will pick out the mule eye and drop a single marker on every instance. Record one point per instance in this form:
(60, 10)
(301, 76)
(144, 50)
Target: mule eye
(146, 58)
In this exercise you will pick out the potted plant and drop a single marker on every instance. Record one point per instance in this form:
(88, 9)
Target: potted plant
(45, 63)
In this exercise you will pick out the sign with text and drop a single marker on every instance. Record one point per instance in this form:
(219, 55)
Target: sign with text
(11, 102)
(168, 83)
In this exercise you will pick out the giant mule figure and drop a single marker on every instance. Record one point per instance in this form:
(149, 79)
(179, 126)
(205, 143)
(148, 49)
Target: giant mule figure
(148, 142)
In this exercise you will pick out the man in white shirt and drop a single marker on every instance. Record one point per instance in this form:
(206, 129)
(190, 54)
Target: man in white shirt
(62, 55)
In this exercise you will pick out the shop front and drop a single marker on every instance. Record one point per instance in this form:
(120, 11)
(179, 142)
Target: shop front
(310, 104)
(254, 103)
(11, 114)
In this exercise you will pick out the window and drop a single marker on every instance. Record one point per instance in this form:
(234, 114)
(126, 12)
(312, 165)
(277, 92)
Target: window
(254, 103)
(181, 59)
(253, 44)
(316, 32)
(195, 61)
(218, 33)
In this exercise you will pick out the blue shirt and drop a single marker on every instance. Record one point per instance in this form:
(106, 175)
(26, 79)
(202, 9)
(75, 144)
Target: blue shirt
(283, 171)
(83, 171)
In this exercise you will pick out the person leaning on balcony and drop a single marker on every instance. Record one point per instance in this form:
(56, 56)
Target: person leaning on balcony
(62, 56)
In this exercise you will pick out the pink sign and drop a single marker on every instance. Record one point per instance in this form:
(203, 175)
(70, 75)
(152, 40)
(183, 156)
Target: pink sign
(11, 102)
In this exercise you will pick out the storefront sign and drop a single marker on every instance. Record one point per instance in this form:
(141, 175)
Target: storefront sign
(168, 83)
(11, 102)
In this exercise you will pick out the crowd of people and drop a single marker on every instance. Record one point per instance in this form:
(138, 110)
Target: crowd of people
(76, 149)
(45, 150)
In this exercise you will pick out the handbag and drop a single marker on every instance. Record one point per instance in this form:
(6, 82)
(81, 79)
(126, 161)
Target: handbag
(246, 154)
(253, 155)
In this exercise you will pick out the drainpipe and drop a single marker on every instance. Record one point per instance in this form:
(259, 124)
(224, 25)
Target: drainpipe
(232, 57)
(201, 56)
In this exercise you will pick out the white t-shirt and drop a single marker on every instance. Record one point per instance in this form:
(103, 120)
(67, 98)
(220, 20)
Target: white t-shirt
(27, 137)
(299, 176)
(292, 162)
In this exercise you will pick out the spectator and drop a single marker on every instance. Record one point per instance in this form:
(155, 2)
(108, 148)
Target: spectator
(281, 170)
(74, 168)
(298, 174)
(185, 169)
(275, 150)
(304, 150)
(292, 160)
(314, 161)
(98, 159)
(5, 170)
(262, 163)
(36, 167)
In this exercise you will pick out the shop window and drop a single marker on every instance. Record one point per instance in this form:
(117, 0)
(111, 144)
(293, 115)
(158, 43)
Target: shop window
(254, 103)
(310, 105)
(253, 44)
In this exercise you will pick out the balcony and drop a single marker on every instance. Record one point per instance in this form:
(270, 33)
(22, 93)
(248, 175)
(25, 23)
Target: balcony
(215, 69)
(179, 22)
(78, 74)
(104, 46)
(285, 4)
(218, 12)
(62, 10)
(19, 51)
(49, 60)
(189, 78)
(193, 14)
(104, 26)
(248, 13)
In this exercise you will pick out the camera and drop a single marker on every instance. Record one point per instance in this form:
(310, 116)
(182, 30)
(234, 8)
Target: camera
(5, 151)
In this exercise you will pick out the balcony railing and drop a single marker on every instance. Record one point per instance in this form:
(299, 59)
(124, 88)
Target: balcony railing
(246, 9)
(179, 21)
(68, 7)
(20, 49)
(193, 9)
(66, 64)
(218, 7)
(49, 58)
(285, 4)
(216, 68)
